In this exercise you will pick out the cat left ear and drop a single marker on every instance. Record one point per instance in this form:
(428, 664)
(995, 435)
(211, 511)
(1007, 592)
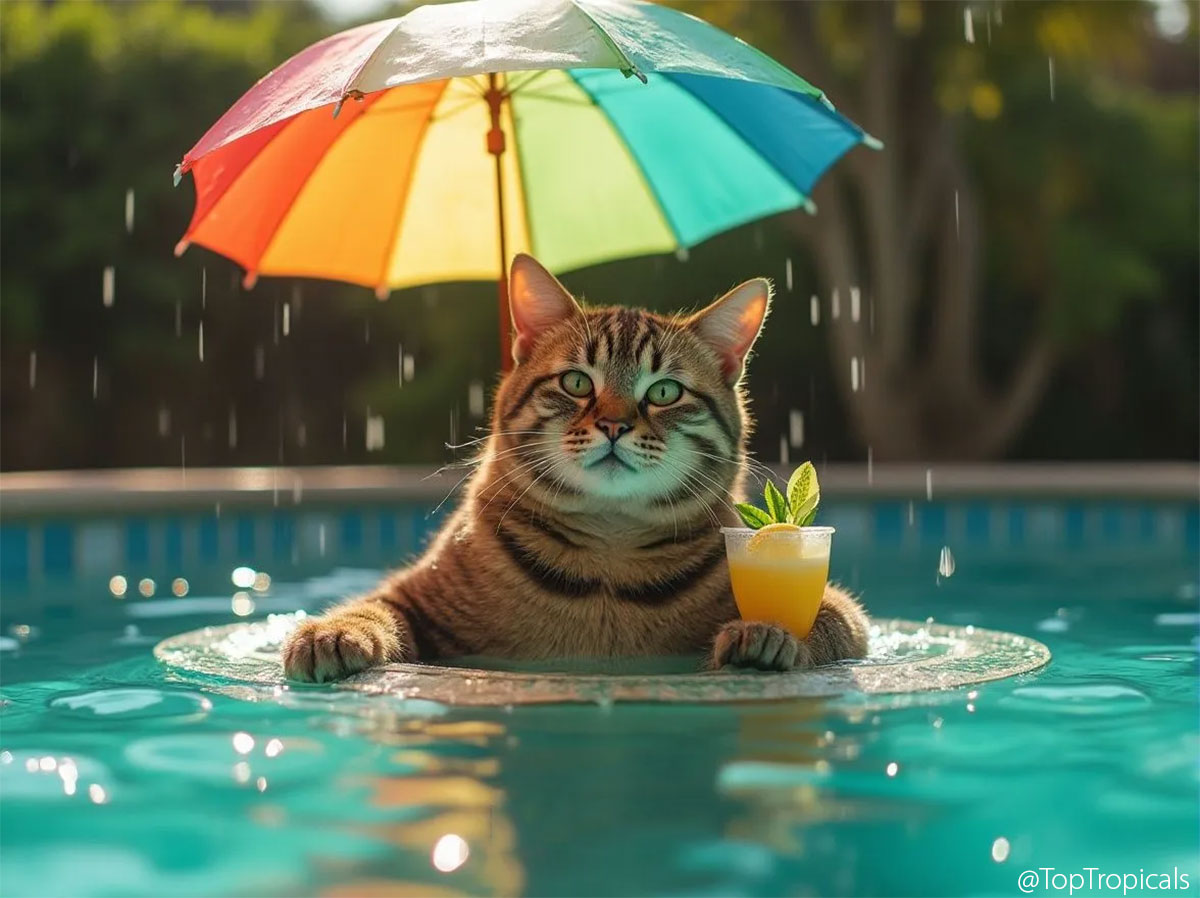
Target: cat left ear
(537, 300)
(732, 323)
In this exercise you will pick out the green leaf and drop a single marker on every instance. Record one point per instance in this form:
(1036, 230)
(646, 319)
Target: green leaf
(777, 505)
(753, 516)
(804, 494)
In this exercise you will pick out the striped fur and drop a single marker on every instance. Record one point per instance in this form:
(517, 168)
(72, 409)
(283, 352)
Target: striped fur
(578, 537)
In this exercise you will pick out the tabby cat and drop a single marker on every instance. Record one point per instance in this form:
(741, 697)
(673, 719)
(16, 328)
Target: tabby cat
(591, 525)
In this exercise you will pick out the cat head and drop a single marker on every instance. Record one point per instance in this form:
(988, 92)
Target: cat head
(614, 404)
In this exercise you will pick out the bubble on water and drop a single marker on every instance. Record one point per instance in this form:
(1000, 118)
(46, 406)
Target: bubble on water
(835, 305)
(475, 399)
(108, 289)
(200, 341)
(118, 586)
(129, 211)
(796, 428)
(814, 310)
(449, 853)
(787, 274)
(855, 304)
(242, 577)
(260, 361)
(32, 369)
(287, 319)
(968, 25)
(375, 434)
(1050, 66)
(929, 484)
(946, 563)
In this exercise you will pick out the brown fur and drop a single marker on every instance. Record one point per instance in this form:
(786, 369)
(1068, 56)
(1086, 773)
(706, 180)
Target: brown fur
(544, 558)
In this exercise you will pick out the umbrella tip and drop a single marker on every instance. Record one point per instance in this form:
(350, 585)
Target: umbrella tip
(871, 143)
(181, 247)
(250, 280)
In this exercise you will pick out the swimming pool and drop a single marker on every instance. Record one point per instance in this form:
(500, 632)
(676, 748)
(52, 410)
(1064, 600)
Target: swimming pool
(118, 778)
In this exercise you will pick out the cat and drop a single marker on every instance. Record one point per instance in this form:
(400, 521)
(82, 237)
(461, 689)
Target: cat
(590, 528)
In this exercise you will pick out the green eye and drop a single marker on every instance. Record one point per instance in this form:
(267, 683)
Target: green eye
(664, 392)
(576, 383)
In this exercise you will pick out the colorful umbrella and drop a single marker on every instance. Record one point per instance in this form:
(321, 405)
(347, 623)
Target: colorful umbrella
(434, 146)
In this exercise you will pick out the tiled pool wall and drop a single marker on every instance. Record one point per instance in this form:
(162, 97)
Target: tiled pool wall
(42, 551)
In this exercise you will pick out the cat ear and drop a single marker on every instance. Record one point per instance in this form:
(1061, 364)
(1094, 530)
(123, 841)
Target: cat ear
(731, 324)
(537, 300)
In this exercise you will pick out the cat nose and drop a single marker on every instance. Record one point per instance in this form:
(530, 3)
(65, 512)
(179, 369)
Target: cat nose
(613, 429)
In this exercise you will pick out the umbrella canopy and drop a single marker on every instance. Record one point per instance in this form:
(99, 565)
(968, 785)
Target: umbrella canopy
(613, 128)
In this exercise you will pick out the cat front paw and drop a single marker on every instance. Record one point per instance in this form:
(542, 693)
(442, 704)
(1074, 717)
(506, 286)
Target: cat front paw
(743, 643)
(334, 647)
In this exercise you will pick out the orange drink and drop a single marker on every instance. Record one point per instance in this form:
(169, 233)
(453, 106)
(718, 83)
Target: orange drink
(779, 573)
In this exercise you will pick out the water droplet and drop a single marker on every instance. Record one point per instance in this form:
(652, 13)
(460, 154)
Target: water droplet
(893, 768)
(929, 484)
(855, 304)
(957, 223)
(854, 374)
(475, 399)
(1000, 848)
(783, 450)
(870, 466)
(242, 604)
(787, 274)
(835, 305)
(97, 794)
(410, 367)
(321, 540)
(204, 287)
(95, 377)
(968, 25)
(118, 586)
(179, 587)
(200, 341)
(243, 577)
(375, 434)
(108, 290)
(146, 587)
(814, 310)
(287, 319)
(449, 853)
(946, 563)
(796, 428)
(32, 370)
(129, 211)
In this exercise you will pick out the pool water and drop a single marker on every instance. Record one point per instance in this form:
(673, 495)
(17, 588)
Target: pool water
(118, 777)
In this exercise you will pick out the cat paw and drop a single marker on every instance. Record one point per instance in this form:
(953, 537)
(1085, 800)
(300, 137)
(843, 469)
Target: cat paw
(334, 647)
(759, 645)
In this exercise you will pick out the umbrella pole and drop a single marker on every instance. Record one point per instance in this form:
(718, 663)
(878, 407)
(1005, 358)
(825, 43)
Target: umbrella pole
(495, 96)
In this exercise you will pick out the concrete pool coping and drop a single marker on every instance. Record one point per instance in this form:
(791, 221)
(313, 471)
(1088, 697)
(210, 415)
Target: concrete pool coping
(35, 492)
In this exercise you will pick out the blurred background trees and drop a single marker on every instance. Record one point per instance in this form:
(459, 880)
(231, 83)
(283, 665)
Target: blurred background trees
(1015, 274)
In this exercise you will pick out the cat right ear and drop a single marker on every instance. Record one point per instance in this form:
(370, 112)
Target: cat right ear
(537, 300)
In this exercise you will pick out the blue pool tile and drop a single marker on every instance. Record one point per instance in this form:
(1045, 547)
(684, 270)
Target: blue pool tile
(137, 541)
(387, 530)
(58, 549)
(933, 523)
(352, 530)
(1016, 525)
(979, 523)
(243, 529)
(173, 541)
(283, 535)
(890, 521)
(1112, 523)
(210, 540)
(14, 553)
(1074, 522)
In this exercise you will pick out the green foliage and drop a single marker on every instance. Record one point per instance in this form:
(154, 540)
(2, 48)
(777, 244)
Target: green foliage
(798, 507)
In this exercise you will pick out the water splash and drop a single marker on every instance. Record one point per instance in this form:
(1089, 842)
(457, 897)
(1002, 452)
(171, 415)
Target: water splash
(945, 564)
(375, 434)
(968, 25)
(814, 310)
(796, 428)
(32, 369)
(787, 275)
(129, 211)
(108, 287)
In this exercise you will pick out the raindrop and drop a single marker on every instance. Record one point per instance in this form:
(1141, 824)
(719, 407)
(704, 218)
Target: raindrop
(945, 563)
(109, 286)
(203, 288)
(321, 540)
(814, 310)
(400, 364)
(855, 304)
(95, 377)
(164, 420)
(129, 211)
(854, 374)
(968, 25)
(410, 367)
(929, 484)
(835, 305)
(957, 232)
(232, 427)
(287, 319)
(796, 428)
(783, 450)
(475, 399)
(32, 369)
(375, 436)
(178, 319)
(787, 274)
(200, 341)
(1050, 64)
(862, 373)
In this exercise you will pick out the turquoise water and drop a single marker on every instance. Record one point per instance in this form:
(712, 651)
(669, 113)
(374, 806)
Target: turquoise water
(119, 778)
